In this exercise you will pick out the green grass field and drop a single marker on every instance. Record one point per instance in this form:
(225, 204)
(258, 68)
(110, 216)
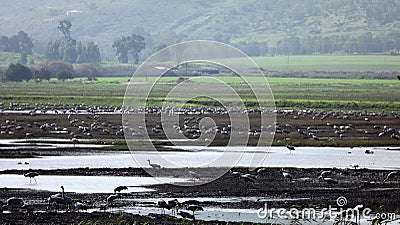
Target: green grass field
(358, 63)
(372, 94)
(297, 93)
(354, 63)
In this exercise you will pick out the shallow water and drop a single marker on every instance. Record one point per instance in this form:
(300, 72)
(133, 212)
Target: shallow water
(82, 184)
(302, 157)
(46, 144)
(239, 215)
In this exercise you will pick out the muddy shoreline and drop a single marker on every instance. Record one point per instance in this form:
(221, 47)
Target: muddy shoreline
(359, 186)
(299, 128)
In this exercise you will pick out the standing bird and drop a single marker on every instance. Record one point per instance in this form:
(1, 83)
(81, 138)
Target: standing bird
(290, 147)
(60, 198)
(112, 197)
(31, 176)
(120, 188)
(194, 208)
(286, 174)
(163, 205)
(391, 175)
(248, 178)
(153, 165)
(326, 173)
(80, 206)
(235, 173)
(14, 203)
(328, 180)
(174, 205)
(194, 175)
(354, 165)
(186, 215)
(29, 208)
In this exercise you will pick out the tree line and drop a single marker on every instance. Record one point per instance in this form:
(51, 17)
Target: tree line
(19, 43)
(69, 50)
(61, 70)
(62, 53)
(366, 43)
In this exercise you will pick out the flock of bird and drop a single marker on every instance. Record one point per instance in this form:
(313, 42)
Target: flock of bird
(336, 122)
(77, 128)
(57, 108)
(175, 206)
(326, 176)
(63, 201)
(328, 124)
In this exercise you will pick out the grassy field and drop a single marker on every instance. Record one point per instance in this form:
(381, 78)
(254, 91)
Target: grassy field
(353, 63)
(288, 92)
(359, 63)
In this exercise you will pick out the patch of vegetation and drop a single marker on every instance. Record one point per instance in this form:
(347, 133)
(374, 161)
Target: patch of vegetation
(296, 93)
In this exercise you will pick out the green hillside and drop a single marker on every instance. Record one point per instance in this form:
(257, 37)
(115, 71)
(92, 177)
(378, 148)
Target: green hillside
(259, 27)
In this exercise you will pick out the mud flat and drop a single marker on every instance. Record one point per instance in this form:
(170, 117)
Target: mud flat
(299, 128)
(304, 190)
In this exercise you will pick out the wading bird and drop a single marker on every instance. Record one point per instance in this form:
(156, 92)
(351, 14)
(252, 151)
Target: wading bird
(326, 173)
(120, 188)
(163, 205)
(391, 175)
(29, 208)
(31, 176)
(14, 203)
(248, 178)
(153, 165)
(186, 215)
(174, 204)
(80, 206)
(290, 147)
(235, 173)
(194, 175)
(328, 180)
(194, 208)
(111, 198)
(60, 199)
(286, 174)
(354, 165)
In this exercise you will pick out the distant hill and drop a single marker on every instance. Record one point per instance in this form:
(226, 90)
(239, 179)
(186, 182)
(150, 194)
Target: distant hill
(259, 27)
